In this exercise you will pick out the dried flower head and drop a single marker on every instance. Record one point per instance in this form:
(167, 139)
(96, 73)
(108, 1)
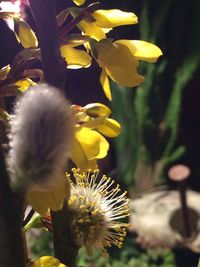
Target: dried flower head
(98, 207)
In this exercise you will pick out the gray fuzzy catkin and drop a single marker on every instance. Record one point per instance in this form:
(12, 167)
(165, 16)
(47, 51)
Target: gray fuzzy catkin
(40, 139)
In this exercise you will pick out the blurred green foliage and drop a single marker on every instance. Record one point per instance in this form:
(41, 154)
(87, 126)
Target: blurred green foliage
(130, 255)
(40, 246)
(150, 114)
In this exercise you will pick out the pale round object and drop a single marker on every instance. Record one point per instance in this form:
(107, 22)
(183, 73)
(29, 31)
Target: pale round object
(179, 172)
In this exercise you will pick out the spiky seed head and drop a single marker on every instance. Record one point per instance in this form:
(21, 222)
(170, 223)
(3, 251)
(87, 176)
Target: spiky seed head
(40, 138)
(98, 206)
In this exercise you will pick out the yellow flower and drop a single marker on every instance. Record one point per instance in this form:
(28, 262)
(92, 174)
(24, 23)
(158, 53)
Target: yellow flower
(91, 29)
(109, 127)
(113, 18)
(99, 120)
(25, 34)
(24, 84)
(47, 261)
(102, 21)
(89, 144)
(52, 198)
(99, 206)
(75, 58)
(119, 61)
(79, 2)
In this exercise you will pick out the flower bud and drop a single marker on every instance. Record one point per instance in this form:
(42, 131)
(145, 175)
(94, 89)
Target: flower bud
(40, 139)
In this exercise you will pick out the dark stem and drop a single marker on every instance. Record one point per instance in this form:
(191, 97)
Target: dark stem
(184, 209)
(11, 210)
(44, 13)
(54, 73)
(84, 14)
(62, 235)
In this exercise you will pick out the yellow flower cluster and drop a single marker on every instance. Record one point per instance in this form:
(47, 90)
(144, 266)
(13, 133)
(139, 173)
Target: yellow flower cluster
(119, 61)
(46, 261)
(89, 144)
(103, 21)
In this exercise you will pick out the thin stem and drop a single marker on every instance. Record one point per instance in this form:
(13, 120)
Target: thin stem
(17, 74)
(85, 12)
(184, 209)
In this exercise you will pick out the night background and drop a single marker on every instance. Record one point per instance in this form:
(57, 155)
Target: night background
(163, 118)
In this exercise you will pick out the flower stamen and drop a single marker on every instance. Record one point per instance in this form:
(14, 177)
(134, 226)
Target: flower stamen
(97, 207)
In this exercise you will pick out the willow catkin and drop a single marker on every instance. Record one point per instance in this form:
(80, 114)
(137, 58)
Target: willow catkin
(40, 139)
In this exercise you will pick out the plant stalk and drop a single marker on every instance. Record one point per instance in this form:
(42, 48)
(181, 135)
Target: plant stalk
(11, 210)
(44, 12)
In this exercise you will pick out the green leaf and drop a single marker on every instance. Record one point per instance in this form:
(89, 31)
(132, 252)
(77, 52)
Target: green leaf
(35, 222)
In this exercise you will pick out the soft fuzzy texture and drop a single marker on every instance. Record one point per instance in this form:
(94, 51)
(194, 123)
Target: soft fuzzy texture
(40, 139)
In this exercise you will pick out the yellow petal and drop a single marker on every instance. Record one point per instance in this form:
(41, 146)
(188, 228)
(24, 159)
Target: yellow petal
(97, 109)
(24, 84)
(142, 50)
(92, 143)
(47, 261)
(94, 122)
(41, 201)
(88, 146)
(103, 147)
(105, 85)
(110, 128)
(113, 18)
(4, 72)
(92, 30)
(25, 34)
(78, 156)
(75, 58)
(92, 165)
(79, 2)
(119, 64)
